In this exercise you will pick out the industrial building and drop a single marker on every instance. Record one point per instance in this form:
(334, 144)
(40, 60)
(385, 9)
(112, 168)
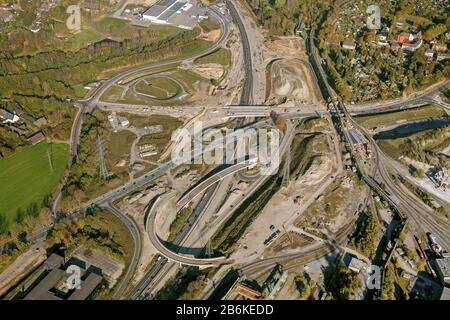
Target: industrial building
(123, 121)
(51, 284)
(247, 289)
(36, 138)
(443, 270)
(179, 13)
(356, 265)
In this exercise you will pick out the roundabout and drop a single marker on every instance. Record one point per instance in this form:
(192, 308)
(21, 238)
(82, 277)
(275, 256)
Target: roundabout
(159, 87)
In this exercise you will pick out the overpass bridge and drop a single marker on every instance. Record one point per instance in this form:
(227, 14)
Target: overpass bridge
(205, 184)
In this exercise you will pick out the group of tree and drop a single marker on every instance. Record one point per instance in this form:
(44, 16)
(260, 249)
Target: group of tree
(280, 17)
(366, 236)
(84, 173)
(99, 230)
(342, 283)
(304, 285)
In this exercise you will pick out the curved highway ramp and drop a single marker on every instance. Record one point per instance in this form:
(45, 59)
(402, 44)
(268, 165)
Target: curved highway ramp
(171, 255)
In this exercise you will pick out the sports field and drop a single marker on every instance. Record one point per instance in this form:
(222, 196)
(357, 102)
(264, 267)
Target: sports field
(27, 177)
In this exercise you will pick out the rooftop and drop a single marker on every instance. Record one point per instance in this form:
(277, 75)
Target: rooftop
(161, 8)
(356, 264)
(36, 138)
(444, 266)
(51, 285)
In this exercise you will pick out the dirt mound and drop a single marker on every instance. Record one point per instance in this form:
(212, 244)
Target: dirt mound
(291, 46)
(210, 71)
(291, 78)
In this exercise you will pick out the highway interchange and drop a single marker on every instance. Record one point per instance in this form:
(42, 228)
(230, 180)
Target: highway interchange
(412, 207)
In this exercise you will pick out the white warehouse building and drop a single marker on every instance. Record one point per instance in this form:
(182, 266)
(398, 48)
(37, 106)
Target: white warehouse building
(172, 12)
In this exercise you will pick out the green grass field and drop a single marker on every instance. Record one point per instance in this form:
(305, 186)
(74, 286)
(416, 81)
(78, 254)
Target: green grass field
(209, 25)
(221, 56)
(112, 94)
(27, 177)
(390, 118)
(159, 88)
(86, 36)
(109, 23)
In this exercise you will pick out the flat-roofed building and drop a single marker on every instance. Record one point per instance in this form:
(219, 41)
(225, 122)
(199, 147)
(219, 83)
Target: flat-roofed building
(356, 265)
(443, 270)
(179, 13)
(52, 282)
(86, 289)
(163, 10)
(53, 262)
(42, 290)
(36, 138)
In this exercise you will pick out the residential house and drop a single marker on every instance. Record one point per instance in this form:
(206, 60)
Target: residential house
(440, 47)
(395, 45)
(332, 43)
(349, 45)
(429, 54)
(40, 122)
(443, 56)
(8, 117)
(405, 37)
(412, 46)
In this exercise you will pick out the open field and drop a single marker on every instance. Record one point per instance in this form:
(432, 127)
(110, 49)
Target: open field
(27, 177)
(118, 149)
(116, 29)
(208, 25)
(188, 50)
(86, 36)
(109, 23)
(424, 146)
(162, 88)
(188, 78)
(112, 94)
(158, 140)
(390, 118)
(221, 56)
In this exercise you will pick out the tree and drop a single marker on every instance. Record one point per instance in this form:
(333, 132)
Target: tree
(342, 284)
(20, 215)
(4, 225)
(33, 210)
(418, 173)
(304, 286)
